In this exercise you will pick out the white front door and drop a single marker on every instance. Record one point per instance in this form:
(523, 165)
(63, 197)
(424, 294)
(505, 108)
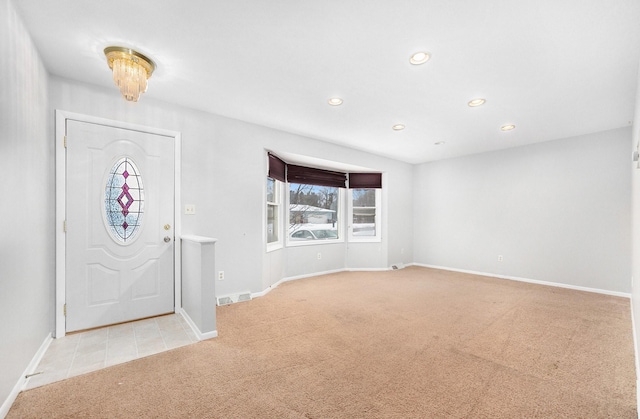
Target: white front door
(119, 225)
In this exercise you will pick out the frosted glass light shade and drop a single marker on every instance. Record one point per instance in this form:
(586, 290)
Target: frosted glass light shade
(131, 70)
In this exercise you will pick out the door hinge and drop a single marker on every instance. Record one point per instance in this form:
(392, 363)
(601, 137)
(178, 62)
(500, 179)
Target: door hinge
(64, 226)
(64, 309)
(64, 141)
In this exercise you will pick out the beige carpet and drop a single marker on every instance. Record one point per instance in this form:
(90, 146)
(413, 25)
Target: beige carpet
(412, 343)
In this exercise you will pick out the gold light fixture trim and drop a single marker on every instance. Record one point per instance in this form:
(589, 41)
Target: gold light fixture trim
(398, 127)
(131, 71)
(335, 101)
(508, 127)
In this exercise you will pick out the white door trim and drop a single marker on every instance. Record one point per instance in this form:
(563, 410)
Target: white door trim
(61, 163)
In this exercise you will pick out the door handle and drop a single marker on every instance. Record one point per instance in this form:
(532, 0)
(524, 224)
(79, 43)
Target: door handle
(167, 239)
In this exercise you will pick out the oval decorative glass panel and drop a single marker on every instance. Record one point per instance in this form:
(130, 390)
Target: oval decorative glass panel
(124, 200)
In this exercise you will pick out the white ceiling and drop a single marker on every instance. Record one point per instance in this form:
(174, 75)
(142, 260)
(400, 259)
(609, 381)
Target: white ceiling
(554, 68)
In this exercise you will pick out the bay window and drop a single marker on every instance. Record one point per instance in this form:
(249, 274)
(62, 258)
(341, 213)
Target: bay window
(320, 204)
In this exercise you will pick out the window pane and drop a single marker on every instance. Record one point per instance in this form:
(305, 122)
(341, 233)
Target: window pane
(313, 212)
(271, 184)
(272, 223)
(364, 212)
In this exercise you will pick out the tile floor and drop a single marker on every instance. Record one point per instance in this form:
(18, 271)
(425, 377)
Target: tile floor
(84, 352)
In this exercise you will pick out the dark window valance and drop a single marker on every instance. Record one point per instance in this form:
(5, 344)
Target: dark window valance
(312, 176)
(292, 173)
(276, 168)
(365, 180)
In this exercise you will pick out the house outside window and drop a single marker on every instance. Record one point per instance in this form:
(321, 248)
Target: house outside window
(313, 213)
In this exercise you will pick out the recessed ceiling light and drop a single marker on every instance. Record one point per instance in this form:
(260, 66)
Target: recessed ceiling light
(335, 101)
(419, 58)
(507, 127)
(439, 143)
(476, 102)
(398, 127)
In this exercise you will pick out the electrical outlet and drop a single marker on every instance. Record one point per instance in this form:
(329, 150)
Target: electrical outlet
(499, 258)
(190, 209)
(319, 255)
(220, 275)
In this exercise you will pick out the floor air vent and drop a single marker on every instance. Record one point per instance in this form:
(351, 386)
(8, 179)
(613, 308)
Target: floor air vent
(244, 297)
(223, 301)
(234, 298)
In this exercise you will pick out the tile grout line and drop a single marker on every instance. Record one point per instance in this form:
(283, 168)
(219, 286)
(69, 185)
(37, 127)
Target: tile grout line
(73, 358)
(106, 349)
(66, 369)
(135, 341)
(188, 331)
(166, 348)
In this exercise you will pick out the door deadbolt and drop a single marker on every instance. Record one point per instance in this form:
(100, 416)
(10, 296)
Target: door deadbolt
(167, 226)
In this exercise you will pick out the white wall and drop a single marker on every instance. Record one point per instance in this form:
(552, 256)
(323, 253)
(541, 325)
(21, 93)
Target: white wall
(27, 211)
(635, 198)
(557, 211)
(224, 175)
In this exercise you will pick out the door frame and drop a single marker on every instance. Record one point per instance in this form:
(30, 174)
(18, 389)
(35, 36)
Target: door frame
(61, 118)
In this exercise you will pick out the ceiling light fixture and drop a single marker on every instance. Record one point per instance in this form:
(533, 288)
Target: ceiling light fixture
(419, 58)
(398, 127)
(507, 127)
(476, 102)
(131, 70)
(335, 101)
(439, 143)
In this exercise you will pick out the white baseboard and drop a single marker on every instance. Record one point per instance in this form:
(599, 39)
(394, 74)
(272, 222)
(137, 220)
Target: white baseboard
(367, 269)
(531, 281)
(293, 278)
(22, 382)
(196, 330)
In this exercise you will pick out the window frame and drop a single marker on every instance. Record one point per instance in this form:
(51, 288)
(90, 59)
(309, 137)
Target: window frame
(378, 217)
(339, 214)
(277, 203)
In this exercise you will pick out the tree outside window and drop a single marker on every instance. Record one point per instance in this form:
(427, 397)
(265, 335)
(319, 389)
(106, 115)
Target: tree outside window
(313, 212)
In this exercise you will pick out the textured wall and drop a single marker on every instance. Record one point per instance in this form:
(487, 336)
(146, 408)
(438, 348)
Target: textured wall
(635, 194)
(224, 174)
(558, 211)
(27, 210)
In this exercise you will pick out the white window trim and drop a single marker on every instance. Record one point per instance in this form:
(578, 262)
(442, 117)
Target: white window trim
(341, 223)
(365, 239)
(279, 244)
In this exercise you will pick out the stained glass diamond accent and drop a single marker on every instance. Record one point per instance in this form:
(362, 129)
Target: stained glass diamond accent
(125, 194)
(124, 200)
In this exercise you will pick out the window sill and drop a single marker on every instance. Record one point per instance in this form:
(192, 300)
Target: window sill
(302, 243)
(274, 246)
(368, 240)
